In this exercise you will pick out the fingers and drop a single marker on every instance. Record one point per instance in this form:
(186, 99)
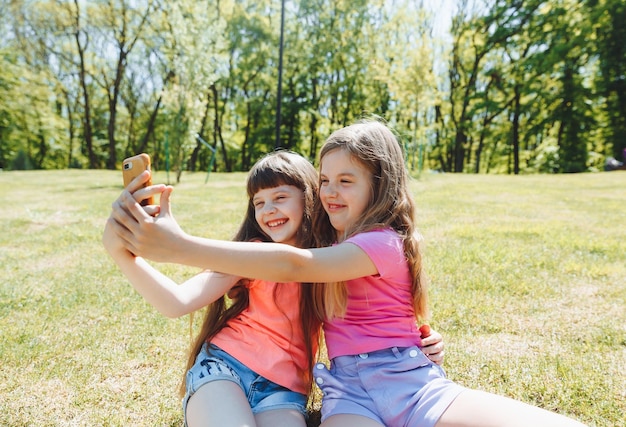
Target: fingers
(437, 357)
(435, 352)
(139, 181)
(112, 238)
(121, 232)
(152, 210)
(132, 207)
(148, 192)
(126, 215)
(434, 338)
(135, 225)
(138, 196)
(140, 189)
(165, 205)
(433, 347)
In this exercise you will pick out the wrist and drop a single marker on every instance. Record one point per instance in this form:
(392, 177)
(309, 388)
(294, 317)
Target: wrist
(121, 256)
(181, 246)
(190, 251)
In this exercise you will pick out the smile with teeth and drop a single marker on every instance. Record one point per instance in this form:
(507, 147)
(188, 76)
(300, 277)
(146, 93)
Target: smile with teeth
(333, 206)
(276, 223)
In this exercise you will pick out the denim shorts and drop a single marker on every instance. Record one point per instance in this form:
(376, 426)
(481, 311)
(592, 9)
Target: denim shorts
(262, 394)
(394, 386)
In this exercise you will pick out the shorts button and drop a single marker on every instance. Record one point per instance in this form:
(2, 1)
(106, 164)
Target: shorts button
(320, 366)
(363, 355)
(413, 353)
(319, 380)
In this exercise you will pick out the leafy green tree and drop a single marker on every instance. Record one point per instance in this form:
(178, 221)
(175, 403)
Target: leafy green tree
(31, 125)
(193, 52)
(121, 26)
(565, 55)
(404, 79)
(531, 85)
(476, 38)
(57, 34)
(470, 45)
(254, 49)
(607, 18)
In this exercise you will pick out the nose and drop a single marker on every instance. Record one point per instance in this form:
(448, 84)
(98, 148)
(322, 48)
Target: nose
(269, 207)
(329, 190)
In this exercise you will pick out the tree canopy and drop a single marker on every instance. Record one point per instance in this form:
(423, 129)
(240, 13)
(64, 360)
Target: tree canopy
(513, 87)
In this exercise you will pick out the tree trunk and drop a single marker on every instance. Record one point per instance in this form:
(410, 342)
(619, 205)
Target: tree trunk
(149, 127)
(217, 130)
(515, 130)
(91, 155)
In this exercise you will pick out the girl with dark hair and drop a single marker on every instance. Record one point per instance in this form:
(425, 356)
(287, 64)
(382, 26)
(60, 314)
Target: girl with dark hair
(371, 290)
(251, 364)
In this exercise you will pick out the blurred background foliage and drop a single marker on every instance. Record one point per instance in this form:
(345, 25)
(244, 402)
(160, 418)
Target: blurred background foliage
(474, 86)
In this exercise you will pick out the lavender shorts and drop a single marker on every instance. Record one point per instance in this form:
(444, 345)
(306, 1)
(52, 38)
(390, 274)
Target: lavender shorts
(394, 386)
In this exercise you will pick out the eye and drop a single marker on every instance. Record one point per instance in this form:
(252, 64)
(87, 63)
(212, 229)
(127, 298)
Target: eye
(258, 204)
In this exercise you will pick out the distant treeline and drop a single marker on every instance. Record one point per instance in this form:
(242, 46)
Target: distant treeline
(512, 87)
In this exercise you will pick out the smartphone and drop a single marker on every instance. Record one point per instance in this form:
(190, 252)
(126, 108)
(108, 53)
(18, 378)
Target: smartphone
(132, 167)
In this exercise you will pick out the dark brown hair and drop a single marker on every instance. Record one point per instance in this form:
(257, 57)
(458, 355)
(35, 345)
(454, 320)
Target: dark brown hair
(275, 169)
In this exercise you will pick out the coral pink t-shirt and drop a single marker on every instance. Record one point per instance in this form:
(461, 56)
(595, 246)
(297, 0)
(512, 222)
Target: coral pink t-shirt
(267, 336)
(380, 309)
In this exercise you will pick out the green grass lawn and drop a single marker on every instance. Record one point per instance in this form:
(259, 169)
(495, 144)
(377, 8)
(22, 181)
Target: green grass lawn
(528, 287)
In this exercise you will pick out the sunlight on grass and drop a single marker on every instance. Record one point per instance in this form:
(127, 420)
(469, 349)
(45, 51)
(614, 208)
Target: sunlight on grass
(528, 287)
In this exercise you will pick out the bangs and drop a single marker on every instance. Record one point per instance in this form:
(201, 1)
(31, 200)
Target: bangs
(273, 171)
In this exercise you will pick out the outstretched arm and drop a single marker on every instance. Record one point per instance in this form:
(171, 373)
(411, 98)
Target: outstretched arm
(169, 298)
(161, 239)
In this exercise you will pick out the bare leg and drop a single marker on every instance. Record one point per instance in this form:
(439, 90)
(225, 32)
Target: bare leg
(280, 418)
(219, 404)
(343, 420)
(474, 408)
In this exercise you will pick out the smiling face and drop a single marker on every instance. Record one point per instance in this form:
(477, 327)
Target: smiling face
(278, 211)
(345, 189)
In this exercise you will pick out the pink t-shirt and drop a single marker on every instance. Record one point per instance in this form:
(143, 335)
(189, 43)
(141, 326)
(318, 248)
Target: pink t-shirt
(380, 310)
(267, 336)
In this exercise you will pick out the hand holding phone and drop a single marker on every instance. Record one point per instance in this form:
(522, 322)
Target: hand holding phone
(132, 167)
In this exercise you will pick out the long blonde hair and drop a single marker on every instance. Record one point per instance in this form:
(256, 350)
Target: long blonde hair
(374, 146)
